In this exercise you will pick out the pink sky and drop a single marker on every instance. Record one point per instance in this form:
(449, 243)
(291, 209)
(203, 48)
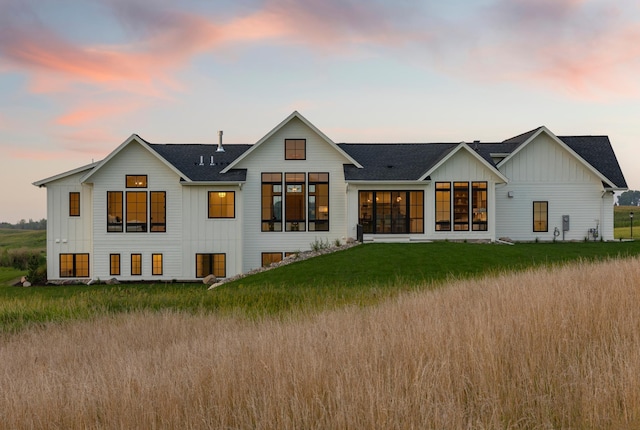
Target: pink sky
(79, 77)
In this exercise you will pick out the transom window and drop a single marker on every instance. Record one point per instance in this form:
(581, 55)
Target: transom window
(222, 204)
(391, 211)
(295, 149)
(74, 265)
(211, 264)
(540, 216)
(74, 204)
(136, 181)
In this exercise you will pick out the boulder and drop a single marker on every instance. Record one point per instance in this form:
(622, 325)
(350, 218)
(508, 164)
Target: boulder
(112, 281)
(210, 280)
(26, 284)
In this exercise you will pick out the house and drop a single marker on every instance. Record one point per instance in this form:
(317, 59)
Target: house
(183, 211)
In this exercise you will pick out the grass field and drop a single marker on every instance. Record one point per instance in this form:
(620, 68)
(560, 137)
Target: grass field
(622, 222)
(32, 239)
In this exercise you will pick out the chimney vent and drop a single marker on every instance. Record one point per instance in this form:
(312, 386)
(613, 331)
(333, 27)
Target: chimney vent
(220, 148)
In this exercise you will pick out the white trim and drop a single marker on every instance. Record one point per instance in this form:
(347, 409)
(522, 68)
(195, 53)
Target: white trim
(477, 156)
(44, 182)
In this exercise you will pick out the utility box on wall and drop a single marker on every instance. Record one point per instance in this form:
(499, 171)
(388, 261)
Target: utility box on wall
(565, 222)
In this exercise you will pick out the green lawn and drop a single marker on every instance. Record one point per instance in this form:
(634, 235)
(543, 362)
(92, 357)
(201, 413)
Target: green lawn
(13, 238)
(622, 222)
(361, 275)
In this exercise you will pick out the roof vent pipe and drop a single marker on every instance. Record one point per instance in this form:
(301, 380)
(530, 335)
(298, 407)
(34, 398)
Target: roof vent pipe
(220, 148)
(211, 163)
(202, 160)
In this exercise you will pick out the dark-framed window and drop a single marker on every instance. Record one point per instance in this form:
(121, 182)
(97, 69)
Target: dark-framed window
(156, 264)
(114, 211)
(443, 206)
(74, 203)
(461, 206)
(271, 202)
(540, 216)
(270, 257)
(295, 149)
(222, 204)
(136, 211)
(136, 264)
(479, 206)
(294, 203)
(74, 265)
(318, 201)
(136, 181)
(114, 264)
(211, 264)
(391, 211)
(158, 214)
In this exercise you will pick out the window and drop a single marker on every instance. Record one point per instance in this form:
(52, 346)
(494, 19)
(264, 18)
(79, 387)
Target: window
(114, 264)
(270, 257)
(74, 204)
(479, 205)
(443, 206)
(295, 149)
(156, 264)
(211, 264)
(461, 206)
(391, 211)
(222, 204)
(318, 202)
(136, 264)
(158, 219)
(74, 265)
(114, 211)
(136, 211)
(136, 181)
(294, 204)
(272, 202)
(540, 216)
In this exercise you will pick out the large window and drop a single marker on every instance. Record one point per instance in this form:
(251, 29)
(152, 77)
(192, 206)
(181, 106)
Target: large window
(158, 219)
(294, 204)
(461, 206)
(136, 181)
(114, 264)
(222, 204)
(270, 257)
(74, 265)
(136, 264)
(272, 202)
(443, 206)
(136, 211)
(156, 264)
(114, 211)
(295, 149)
(74, 204)
(391, 211)
(318, 202)
(211, 264)
(479, 206)
(540, 216)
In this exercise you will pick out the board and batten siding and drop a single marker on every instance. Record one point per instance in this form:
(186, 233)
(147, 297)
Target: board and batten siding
(269, 157)
(545, 171)
(134, 159)
(67, 234)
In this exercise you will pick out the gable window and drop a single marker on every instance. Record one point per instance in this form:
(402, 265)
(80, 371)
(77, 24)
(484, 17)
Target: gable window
(114, 264)
(222, 204)
(211, 264)
(294, 204)
(295, 149)
(74, 204)
(540, 216)
(391, 211)
(272, 202)
(479, 206)
(156, 264)
(136, 211)
(270, 257)
(461, 206)
(443, 206)
(136, 264)
(74, 265)
(318, 202)
(114, 211)
(136, 181)
(158, 219)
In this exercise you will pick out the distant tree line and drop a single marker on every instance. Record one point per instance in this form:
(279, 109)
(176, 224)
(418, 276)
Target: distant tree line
(26, 225)
(629, 198)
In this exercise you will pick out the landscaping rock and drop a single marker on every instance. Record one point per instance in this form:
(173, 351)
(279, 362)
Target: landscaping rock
(210, 280)
(112, 281)
(26, 284)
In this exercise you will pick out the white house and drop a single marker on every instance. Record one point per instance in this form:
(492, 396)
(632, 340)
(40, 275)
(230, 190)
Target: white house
(182, 211)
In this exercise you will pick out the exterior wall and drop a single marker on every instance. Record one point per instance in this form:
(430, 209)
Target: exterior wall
(545, 171)
(269, 157)
(137, 160)
(67, 234)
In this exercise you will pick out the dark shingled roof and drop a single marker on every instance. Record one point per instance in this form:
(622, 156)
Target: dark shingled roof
(186, 158)
(597, 151)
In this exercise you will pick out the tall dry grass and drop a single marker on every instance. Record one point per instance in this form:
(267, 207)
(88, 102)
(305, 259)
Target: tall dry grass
(551, 348)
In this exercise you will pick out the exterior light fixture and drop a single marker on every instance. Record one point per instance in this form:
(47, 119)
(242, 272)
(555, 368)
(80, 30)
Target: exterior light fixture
(222, 195)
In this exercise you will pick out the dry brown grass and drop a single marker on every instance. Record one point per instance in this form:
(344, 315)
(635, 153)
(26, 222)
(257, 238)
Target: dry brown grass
(551, 348)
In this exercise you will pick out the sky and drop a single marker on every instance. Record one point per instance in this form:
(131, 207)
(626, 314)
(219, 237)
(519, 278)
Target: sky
(78, 77)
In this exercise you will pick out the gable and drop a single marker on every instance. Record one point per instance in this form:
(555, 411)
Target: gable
(463, 165)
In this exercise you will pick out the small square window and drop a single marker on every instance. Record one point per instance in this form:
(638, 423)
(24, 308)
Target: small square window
(295, 149)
